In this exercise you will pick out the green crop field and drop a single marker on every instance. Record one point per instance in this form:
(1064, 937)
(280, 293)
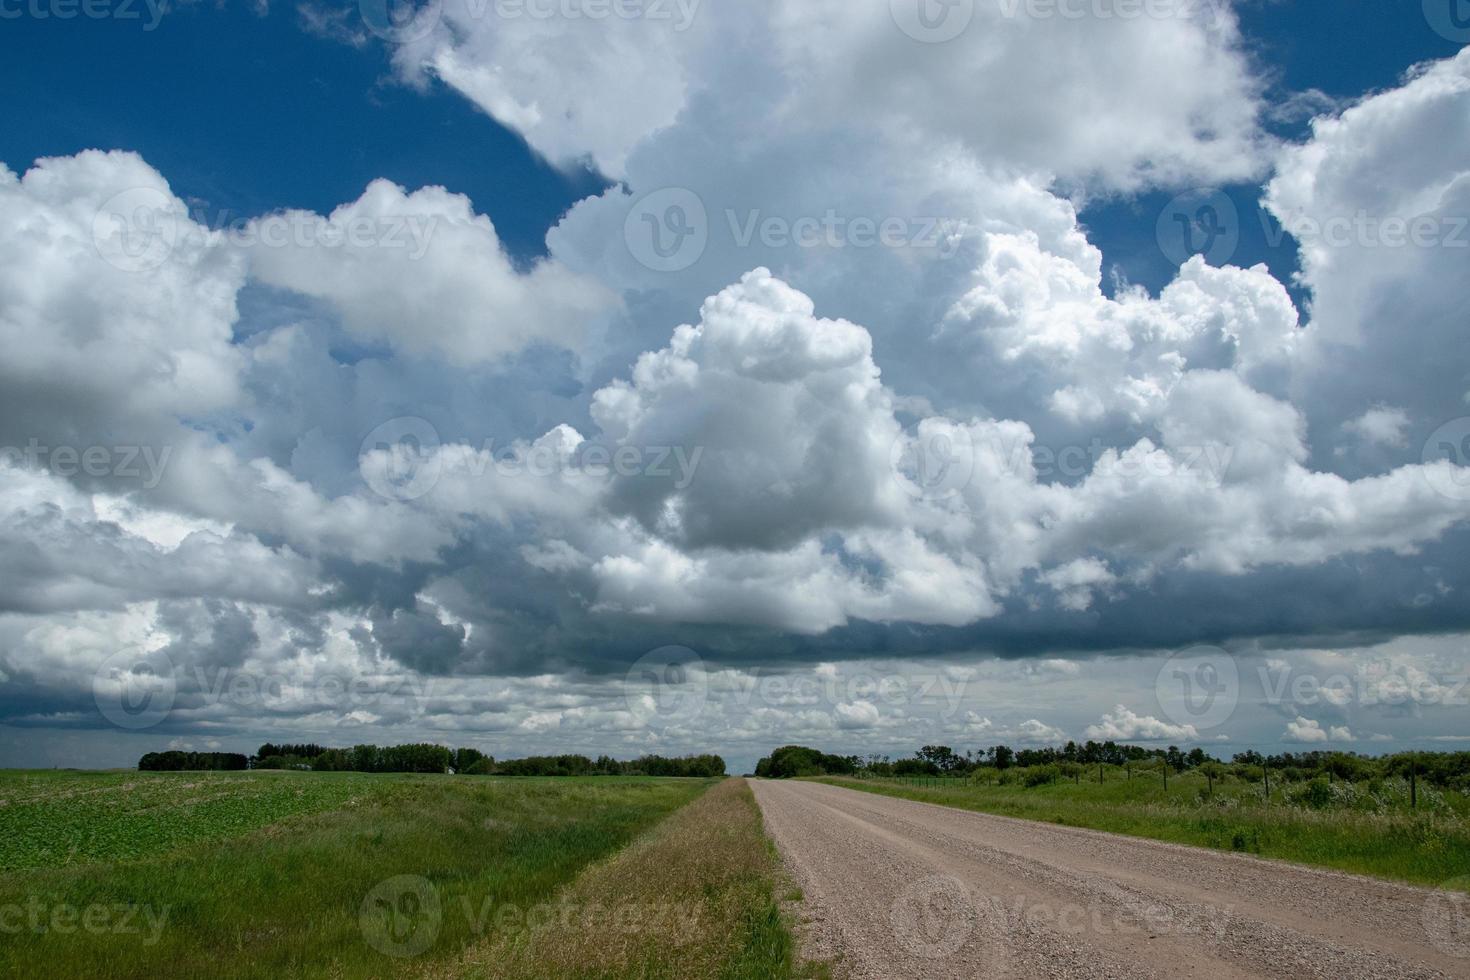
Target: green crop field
(286, 874)
(51, 819)
(1366, 828)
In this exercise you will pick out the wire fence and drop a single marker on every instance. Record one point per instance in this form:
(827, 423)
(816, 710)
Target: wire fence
(1101, 773)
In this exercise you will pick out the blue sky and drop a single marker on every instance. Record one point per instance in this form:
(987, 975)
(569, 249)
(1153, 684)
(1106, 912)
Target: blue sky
(250, 113)
(1266, 462)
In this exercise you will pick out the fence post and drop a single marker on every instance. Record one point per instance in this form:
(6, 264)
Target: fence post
(1413, 782)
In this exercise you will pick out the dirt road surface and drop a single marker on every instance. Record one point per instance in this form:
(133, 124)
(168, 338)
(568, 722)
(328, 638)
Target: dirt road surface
(893, 888)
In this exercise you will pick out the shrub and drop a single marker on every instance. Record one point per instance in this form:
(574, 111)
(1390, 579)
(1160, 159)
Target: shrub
(1041, 775)
(1315, 794)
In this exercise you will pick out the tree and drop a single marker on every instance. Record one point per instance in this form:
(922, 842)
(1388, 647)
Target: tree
(798, 760)
(942, 757)
(465, 758)
(176, 761)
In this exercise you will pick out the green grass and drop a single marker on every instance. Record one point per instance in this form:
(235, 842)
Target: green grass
(266, 874)
(1355, 831)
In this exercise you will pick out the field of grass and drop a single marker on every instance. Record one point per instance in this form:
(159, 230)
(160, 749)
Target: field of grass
(51, 818)
(1349, 827)
(695, 898)
(292, 874)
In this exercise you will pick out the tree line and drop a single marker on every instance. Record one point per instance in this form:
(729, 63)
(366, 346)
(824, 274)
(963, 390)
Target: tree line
(175, 761)
(425, 757)
(1443, 769)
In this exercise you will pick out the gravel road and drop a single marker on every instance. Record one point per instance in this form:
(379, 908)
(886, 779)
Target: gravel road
(893, 888)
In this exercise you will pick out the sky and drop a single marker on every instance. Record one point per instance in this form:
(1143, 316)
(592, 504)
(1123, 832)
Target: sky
(680, 375)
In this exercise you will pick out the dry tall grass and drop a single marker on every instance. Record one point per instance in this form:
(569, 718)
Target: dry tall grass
(693, 898)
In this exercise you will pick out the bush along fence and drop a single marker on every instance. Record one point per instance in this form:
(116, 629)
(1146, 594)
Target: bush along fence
(1312, 779)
